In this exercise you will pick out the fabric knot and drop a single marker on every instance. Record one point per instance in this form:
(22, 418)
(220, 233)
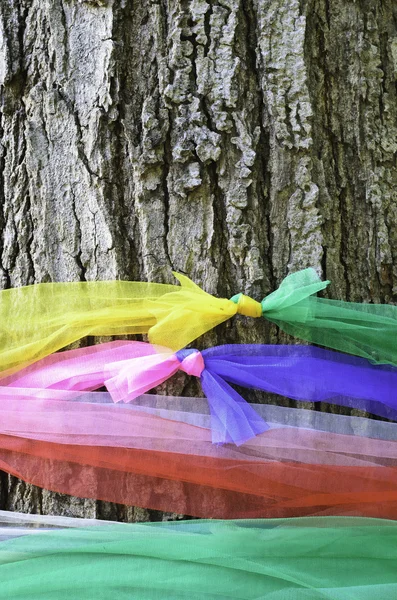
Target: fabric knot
(191, 361)
(247, 306)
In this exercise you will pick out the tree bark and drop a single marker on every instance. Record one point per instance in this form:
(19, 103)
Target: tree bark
(232, 140)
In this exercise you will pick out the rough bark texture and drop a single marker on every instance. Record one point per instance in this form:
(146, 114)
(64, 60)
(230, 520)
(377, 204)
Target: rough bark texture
(232, 140)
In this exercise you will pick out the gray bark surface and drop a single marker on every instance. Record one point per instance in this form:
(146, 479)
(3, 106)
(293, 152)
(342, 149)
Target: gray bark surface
(231, 140)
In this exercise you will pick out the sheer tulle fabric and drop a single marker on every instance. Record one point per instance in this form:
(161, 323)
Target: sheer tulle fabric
(42, 412)
(15, 524)
(367, 330)
(40, 319)
(195, 412)
(128, 455)
(78, 421)
(301, 373)
(303, 559)
(284, 490)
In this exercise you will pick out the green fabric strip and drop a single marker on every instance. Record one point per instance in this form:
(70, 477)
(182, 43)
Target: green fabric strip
(294, 559)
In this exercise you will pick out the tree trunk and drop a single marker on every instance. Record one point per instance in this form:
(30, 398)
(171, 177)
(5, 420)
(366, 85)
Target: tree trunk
(232, 140)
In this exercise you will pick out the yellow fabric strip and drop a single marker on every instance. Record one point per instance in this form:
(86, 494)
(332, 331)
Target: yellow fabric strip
(248, 307)
(39, 319)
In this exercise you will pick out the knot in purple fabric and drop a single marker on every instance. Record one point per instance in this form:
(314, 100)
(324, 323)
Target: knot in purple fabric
(192, 362)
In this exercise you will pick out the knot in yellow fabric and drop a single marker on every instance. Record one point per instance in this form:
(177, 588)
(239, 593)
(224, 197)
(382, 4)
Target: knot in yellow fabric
(247, 306)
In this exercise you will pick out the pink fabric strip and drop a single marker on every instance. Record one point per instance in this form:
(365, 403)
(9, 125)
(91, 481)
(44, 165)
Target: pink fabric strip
(127, 369)
(128, 379)
(81, 369)
(74, 421)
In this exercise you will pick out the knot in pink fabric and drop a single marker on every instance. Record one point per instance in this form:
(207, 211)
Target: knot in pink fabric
(193, 364)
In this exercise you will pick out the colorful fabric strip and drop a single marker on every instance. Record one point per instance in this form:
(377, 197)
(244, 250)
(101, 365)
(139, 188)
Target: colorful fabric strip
(303, 373)
(88, 446)
(40, 319)
(305, 559)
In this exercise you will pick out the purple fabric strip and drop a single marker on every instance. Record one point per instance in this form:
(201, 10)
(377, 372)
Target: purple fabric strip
(303, 373)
